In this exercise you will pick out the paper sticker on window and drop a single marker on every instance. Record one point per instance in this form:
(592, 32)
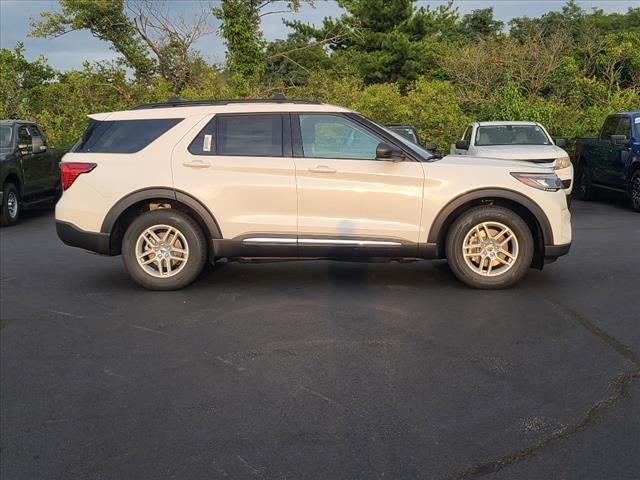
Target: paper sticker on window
(637, 120)
(206, 145)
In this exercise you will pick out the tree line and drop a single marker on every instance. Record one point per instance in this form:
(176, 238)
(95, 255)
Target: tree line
(392, 60)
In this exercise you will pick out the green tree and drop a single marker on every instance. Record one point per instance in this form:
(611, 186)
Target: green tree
(18, 79)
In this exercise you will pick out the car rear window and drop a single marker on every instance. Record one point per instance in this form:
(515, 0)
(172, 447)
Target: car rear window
(122, 136)
(241, 135)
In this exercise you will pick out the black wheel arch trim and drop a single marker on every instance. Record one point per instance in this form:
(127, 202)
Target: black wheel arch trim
(161, 192)
(444, 214)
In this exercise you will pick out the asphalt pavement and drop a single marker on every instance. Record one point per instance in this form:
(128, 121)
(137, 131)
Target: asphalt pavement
(321, 369)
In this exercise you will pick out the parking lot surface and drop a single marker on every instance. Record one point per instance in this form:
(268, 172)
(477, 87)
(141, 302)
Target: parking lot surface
(320, 369)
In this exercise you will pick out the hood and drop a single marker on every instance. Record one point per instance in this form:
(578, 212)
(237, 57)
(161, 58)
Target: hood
(466, 160)
(521, 152)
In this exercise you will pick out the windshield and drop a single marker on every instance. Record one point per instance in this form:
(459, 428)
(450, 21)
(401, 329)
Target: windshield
(6, 133)
(405, 132)
(511, 135)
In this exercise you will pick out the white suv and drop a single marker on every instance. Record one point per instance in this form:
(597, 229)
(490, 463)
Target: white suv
(527, 141)
(171, 186)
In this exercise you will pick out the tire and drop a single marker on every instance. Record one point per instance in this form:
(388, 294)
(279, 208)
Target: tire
(178, 242)
(634, 191)
(586, 190)
(11, 205)
(496, 269)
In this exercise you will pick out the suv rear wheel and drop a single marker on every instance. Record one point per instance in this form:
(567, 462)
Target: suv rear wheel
(164, 250)
(489, 247)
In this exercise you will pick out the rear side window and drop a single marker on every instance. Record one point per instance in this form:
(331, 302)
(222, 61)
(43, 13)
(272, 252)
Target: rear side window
(241, 135)
(122, 136)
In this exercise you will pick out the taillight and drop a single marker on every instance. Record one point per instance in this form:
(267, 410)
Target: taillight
(574, 151)
(71, 171)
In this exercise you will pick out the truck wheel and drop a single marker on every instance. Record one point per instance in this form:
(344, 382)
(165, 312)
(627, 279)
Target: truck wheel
(164, 250)
(634, 191)
(489, 247)
(586, 191)
(10, 205)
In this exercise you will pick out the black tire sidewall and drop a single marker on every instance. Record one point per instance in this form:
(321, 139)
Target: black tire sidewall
(473, 217)
(7, 219)
(193, 235)
(636, 175)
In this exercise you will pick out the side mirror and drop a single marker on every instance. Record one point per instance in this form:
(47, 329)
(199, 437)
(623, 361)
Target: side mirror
(561, 142)
(618, 139)
(37, 145)
(462, 145)
(384, 151)
(430, 146)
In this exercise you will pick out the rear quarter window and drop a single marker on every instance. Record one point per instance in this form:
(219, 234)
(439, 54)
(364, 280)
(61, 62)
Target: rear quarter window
(122, 136)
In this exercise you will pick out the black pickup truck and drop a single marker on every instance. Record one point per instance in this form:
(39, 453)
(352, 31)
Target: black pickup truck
(29, 169)
(611, 161)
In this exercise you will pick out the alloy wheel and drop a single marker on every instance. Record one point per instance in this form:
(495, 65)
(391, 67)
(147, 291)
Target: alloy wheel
(162, 251)
(490, 249)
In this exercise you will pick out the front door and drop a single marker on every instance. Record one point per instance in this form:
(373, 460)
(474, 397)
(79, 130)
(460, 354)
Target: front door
(347, 198)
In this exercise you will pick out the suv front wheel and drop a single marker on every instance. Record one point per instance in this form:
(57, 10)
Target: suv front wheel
(164, 250)
(489, 247)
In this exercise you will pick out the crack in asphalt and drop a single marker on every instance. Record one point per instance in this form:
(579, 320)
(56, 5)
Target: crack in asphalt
(616, 388)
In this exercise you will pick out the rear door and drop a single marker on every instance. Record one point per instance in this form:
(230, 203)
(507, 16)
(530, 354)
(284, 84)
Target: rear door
(348, 200)
(241, 168)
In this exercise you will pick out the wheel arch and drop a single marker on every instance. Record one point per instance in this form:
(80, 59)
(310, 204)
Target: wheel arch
(129, 207)
(533, 215)
(14, 178)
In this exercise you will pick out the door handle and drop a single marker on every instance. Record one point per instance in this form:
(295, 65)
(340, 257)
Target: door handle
(322, 169)
(196, 164)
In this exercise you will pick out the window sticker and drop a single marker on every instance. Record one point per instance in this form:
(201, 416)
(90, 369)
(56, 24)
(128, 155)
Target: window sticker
(206, 144)
(637, 120)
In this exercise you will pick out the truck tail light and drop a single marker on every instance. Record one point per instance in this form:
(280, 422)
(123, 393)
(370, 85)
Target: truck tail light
(574, 152)
(71, 171)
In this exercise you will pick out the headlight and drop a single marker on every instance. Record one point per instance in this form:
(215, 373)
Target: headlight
(562, 162)
(549, 182)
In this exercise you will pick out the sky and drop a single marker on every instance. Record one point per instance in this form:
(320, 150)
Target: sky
(71, 50)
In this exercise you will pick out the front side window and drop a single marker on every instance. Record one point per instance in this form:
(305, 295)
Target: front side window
(511, 135)
(24, 137)
(333, 136)
(122, 136)
(467, 135)
(609, 128)
(623, 127)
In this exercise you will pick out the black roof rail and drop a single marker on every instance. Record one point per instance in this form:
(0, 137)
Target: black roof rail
(183, 102)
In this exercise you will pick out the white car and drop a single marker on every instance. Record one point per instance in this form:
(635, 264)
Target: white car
(171, 186)
(527, 141)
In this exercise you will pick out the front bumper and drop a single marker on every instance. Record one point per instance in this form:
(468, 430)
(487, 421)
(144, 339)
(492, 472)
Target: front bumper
(552, 252)
(75, 237)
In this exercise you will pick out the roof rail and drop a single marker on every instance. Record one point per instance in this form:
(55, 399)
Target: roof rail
(183, 102)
